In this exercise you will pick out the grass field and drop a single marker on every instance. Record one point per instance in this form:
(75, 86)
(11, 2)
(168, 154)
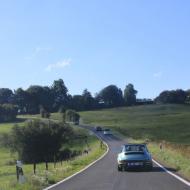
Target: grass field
(6, 127)
(166, 124)
(154, 122)
(44, 178)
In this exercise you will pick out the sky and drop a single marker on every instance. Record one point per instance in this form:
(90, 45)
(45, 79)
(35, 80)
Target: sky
(94, 43)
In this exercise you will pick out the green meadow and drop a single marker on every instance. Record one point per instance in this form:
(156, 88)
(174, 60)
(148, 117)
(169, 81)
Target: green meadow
(45, 178)
(166, 124)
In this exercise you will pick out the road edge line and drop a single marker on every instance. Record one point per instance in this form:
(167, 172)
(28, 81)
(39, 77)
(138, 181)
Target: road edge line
(85, 168)
(171, 173)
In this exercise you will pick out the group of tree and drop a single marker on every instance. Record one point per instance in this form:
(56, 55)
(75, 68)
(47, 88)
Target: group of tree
(112, 96)
(41, 141)
(178, 96)
(45, 99)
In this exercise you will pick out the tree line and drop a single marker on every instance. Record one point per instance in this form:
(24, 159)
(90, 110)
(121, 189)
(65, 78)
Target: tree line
(46, 99)
(56, 97)
(178, 96)
(43, 141)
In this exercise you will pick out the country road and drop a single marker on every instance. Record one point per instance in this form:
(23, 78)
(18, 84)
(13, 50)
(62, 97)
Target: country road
(103, 175)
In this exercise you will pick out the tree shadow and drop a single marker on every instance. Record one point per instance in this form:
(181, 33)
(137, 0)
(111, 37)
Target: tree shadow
(159, 169)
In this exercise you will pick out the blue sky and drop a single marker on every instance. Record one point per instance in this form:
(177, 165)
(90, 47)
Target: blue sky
(93, 43)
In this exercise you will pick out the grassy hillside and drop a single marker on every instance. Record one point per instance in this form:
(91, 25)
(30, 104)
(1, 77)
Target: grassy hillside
(155, 122)
(169, 124)
(44, 178)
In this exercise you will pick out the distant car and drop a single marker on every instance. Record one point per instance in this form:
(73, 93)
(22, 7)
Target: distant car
(134, 156)
(107, 132)
(98, 128)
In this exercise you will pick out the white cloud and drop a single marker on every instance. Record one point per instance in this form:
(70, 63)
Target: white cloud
(58, 65)
(158, 74)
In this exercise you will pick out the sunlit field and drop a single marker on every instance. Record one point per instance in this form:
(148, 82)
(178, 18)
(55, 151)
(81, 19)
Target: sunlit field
(44, 178)
(166, 124)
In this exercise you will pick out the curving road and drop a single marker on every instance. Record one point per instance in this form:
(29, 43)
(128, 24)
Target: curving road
(103, 175)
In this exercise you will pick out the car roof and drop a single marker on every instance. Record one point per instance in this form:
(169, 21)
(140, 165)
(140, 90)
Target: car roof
(136, 144)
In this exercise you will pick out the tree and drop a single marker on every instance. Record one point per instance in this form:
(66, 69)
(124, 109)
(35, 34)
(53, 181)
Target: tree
(174, 96)
(39, 96)
(72, 116)
(21, 98)
(188, 96)
(39, 141)
(60, 94)
(130, 95)
(87, 100)
(34, 98)
(6, 96)
(77, 103)
(111, 96)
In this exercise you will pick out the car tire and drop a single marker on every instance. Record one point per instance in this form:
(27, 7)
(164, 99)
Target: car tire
(149, 168)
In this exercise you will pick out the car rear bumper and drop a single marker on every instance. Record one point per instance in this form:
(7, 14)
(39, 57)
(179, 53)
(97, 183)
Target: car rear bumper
(135, 164)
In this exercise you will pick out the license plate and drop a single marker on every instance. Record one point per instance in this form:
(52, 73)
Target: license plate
(135, 164)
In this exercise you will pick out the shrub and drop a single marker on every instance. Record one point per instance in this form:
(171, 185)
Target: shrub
(8, 112)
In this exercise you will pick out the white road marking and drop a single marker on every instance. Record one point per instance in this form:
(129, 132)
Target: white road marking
(66, 179)
(171, 173)
(167, 171)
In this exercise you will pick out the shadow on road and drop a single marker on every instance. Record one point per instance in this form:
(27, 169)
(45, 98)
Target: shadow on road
(154, 169)
(158, 169)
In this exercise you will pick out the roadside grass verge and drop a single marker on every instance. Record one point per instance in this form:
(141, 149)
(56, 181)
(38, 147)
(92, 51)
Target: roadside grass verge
(166, 124)
(44, 178)
(171, 156)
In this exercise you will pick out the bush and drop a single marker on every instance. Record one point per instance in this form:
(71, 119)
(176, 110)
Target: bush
(39, 141)
(72, 116)
(8, 112)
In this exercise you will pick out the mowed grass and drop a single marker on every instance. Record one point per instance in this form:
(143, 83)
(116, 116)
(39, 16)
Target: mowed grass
(154, 122)
(166, 124)
(44, 178)
(6, 127)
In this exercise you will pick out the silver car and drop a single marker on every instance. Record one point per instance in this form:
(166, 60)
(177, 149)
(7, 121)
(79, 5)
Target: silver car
(107, 132)
(134, 156)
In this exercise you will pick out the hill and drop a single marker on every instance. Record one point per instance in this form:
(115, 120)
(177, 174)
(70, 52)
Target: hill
(166, 124)
(155, 122)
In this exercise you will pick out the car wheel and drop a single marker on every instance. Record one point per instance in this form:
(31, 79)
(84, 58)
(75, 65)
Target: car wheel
(149, 168)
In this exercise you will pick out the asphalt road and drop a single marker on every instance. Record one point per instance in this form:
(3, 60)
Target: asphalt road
(103, 175)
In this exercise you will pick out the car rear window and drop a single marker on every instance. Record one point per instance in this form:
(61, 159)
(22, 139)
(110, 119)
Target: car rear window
(134, 148)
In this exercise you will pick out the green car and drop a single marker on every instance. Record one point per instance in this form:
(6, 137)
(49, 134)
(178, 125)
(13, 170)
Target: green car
(134, 156)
